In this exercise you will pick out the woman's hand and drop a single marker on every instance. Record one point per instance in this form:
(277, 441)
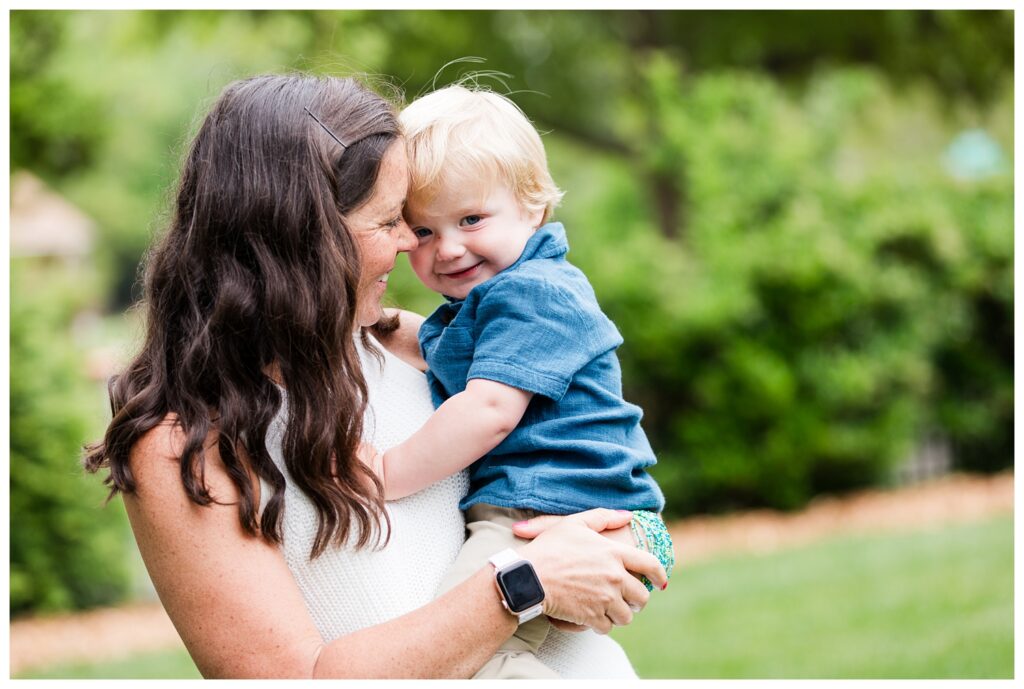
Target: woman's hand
(587, 578)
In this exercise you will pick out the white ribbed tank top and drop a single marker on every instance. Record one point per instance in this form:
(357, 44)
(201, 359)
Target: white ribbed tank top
(346, 589)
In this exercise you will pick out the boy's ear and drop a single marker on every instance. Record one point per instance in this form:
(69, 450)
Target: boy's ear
(537, 218)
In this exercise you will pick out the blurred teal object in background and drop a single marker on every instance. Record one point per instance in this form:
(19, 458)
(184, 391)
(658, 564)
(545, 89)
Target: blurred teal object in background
(974, 154)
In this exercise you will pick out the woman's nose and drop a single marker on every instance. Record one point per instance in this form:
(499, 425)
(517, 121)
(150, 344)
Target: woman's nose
(406, 239)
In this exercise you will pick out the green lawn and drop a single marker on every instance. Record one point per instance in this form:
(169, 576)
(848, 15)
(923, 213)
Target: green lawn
(927, 605)
(921, 605)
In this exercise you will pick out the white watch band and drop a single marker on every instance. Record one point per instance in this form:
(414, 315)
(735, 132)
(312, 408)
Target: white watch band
(503, 559)
(527, 615)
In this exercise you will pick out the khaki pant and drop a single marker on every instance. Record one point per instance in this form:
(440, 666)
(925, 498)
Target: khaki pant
(489, 530)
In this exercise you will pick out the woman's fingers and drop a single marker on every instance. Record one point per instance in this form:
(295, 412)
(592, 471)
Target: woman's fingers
(640, 562)
(635, 594)
(602, 625)
(602, 519)
(536, 526)
(621, 535)
(619, 613)
(597, 519)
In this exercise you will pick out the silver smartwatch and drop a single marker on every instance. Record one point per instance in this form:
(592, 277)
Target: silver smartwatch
(520, 587)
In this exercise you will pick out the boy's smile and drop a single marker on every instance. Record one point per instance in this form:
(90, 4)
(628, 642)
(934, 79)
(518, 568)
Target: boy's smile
(467, 234)
(464, 274)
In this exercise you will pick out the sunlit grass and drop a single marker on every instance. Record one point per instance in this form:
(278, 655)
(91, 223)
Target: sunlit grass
(173, 664)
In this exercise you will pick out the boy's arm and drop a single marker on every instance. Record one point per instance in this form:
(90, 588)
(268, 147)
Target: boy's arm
(462, 430)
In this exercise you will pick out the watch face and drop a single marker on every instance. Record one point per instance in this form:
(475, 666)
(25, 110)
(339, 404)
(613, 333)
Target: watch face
(521, 587)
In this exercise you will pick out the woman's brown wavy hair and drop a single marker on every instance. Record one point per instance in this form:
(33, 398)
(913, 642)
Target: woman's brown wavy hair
(258, 270)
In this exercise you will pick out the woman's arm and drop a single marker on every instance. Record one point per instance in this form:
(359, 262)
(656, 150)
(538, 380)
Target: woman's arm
(239, 612)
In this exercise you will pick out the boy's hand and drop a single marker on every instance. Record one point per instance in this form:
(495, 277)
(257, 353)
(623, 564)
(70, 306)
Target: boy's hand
(373, 458)
(404, 342)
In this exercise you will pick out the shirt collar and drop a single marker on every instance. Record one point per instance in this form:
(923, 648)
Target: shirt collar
(547, 242)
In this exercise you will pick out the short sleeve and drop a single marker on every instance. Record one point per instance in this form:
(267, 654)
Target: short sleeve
(535, 335)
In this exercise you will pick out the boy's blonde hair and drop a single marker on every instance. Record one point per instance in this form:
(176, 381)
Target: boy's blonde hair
(457, 135)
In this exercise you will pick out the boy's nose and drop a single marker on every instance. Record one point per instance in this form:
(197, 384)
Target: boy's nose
(448, 250)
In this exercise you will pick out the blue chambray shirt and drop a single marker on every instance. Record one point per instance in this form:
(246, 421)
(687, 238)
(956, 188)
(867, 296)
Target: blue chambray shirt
(537, 326)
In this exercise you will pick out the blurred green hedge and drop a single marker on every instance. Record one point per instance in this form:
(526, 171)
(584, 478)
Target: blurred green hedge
(821, 306)
(68, 550)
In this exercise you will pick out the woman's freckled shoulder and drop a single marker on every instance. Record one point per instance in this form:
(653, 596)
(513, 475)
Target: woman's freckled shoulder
(157, 454)
(164, 441)
(155, 462)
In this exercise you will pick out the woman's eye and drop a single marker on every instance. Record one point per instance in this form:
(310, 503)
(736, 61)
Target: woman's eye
(472, 219)
(422, 232)
(392, 224)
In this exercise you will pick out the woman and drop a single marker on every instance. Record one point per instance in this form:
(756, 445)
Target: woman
(235, 431)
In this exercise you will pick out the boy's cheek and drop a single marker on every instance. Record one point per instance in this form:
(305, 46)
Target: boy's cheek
(418, 258)
(420, 263)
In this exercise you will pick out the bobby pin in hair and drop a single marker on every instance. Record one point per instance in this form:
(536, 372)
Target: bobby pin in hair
(325, 128)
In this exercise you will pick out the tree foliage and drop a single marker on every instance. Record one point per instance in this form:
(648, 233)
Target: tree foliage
(803, 335)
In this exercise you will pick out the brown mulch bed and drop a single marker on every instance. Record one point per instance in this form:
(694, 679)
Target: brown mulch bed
(951, 499)
(103, 635)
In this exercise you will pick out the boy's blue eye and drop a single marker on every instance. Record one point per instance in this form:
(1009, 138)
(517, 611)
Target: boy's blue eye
(472, 219)
(422, 232)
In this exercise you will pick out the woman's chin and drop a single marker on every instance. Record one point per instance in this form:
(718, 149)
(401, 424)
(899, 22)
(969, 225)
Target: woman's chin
(369, 315)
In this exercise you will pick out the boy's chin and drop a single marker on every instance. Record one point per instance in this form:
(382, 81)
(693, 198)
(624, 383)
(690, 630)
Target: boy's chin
(463, 290)
(451, 291)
